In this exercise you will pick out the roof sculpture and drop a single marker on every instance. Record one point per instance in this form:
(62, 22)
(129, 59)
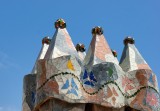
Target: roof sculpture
(67, 78)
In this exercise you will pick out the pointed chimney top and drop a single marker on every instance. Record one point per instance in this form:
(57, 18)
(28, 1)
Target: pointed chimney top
(97, 30)
(60, 23)
(45, 44)
(46, 40)
(129, 40)
(131, 58)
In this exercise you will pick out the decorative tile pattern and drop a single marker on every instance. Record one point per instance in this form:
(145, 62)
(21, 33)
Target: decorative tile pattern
(99, 79)
(89, 78)
(72, 87)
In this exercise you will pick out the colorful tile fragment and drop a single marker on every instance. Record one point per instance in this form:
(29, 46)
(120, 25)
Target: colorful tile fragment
(72, 87)
(89, 78)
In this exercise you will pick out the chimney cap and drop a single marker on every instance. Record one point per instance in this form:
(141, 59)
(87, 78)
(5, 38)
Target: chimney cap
(114, 53)
(97, 30)
(60, 23)
(80, 47)
(129, 40)
(46, 40)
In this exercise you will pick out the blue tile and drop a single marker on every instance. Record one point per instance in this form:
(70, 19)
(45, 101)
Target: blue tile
(87, 82)
(72, 91)
(85, 76)
(91, 76)
(92, 84)
(66, 85)
(151, 79)
(33, 97)
(74, 84)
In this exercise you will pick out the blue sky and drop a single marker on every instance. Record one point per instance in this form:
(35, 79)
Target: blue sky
(23, 23)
